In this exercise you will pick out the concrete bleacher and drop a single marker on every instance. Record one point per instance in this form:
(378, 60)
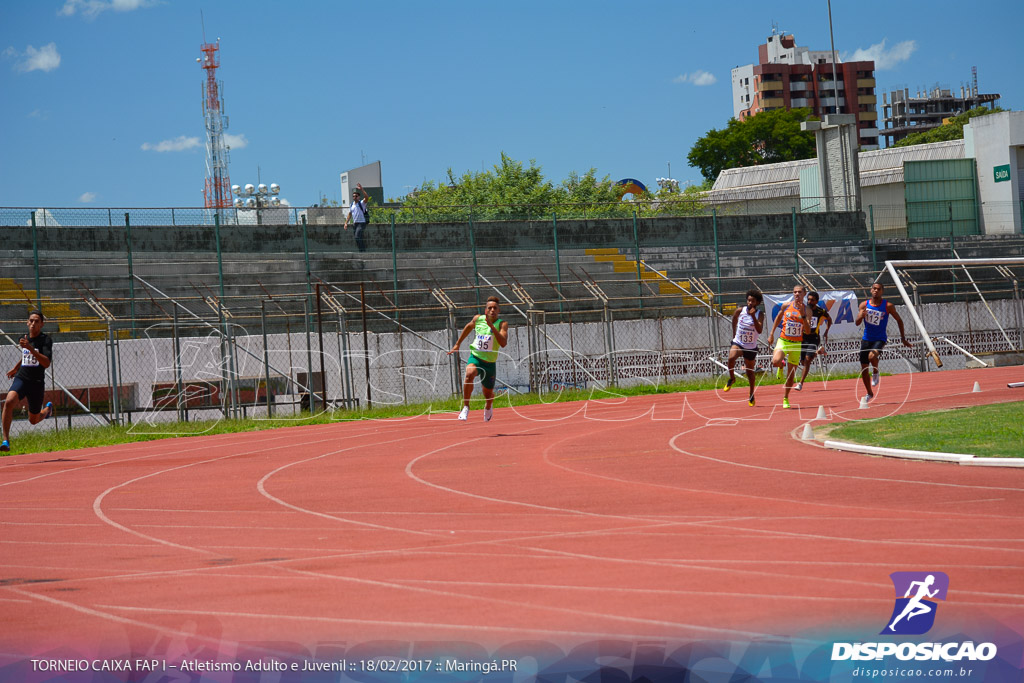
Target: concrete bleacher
(69, 278)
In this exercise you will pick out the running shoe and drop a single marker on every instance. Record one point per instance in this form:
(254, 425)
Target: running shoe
(728, 385)
(49, 414)
(799, 386)
(750, 401)
(488, 414)
(875, 378)
(5, 446)
(785, 403)
(868, 397)
(464, 413)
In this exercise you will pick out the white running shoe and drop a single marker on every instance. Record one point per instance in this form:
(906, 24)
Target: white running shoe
(488, 414)
(875, 378)
(464, 413)
(799, 386)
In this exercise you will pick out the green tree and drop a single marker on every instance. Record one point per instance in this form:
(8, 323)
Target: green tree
(765, 138)
(954, 130)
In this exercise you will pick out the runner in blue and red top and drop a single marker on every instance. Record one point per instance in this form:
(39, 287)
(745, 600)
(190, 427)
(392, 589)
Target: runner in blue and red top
(874, 313)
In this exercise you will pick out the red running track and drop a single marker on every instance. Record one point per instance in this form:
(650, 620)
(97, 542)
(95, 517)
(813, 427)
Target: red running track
(675, 517)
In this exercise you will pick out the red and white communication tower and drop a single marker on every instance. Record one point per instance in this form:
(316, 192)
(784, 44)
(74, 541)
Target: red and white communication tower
(217, 192)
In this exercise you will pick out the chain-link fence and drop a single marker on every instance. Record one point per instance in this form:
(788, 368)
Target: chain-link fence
(344, 347)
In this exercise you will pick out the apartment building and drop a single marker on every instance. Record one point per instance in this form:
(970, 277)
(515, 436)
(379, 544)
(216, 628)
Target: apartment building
(788, 76)
(904, 114)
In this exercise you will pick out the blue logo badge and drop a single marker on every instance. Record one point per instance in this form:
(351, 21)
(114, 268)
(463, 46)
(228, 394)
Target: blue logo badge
(916, 592)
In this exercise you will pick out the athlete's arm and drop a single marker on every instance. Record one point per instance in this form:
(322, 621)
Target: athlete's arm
(891, 310)
(758, 320)
(828, 319)
(41, 358)
(861, 312)
(775, 326)
(736, 320)
(12, 373)
(465, 333)
(501, 336)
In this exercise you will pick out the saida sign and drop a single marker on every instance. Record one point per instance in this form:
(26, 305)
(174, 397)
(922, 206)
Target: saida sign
(1002, 173)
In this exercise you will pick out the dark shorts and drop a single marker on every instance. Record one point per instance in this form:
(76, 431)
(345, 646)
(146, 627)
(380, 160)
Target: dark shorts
(748, 354)
(867, 346)
(485, 371)
(809, 348)
(32, 390)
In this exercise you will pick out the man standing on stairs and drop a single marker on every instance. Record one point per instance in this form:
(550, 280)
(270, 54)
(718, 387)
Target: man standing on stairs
(491, 334)
(359, 212)
(29, 375)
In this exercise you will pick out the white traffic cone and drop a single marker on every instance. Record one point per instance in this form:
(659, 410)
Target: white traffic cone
(808, 434)
(822, 415)
(864, 402)
(977, 388)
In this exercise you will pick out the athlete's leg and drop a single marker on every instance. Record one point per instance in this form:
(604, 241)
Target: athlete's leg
(8, 415)
(751, 375)
(489, 397)
(734, 353)
(467, 384)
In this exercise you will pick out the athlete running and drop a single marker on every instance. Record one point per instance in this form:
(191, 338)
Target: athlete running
(874, 313)
(491, 335)
(792, 318)
(747, 323)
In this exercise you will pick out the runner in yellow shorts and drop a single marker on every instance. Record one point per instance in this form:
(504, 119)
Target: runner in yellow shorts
(792, 318)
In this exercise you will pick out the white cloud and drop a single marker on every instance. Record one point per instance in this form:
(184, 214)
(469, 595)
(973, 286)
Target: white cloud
(87, 197)
(92, 8)
(178, 144)
(699, 77)
(45, 58)
(882, 57)
(235, 141)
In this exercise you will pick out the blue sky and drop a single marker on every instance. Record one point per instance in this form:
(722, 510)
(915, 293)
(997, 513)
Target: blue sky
(102, 98)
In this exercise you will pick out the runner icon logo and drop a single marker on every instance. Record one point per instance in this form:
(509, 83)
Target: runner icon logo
(916, 592)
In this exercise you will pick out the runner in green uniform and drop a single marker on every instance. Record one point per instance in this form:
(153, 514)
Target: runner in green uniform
(491, 334)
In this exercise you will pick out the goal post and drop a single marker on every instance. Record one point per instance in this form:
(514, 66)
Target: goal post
(1002, 278)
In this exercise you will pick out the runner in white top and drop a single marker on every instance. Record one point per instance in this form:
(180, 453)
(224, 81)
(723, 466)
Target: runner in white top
(747, 323)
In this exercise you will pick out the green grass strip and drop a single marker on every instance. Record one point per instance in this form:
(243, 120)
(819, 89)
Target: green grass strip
(36, 441)
(995, 431)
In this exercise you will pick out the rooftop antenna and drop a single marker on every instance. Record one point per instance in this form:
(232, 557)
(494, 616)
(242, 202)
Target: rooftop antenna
(974, 81)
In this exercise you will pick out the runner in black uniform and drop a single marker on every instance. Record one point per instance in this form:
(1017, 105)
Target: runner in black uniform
(814, 343)
(29, 377)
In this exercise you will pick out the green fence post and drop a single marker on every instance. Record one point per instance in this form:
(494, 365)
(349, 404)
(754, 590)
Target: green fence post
(952, 248)
(35, 260)
(131, 269)
(472, 244)
(305, 251)
(796, 255)
(558, 261)
(718, 265)
(394, 257)
(639, 277)
(220, 262)
(874, 255)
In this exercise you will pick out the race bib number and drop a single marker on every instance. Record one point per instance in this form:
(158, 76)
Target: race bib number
(873, 317)
(484, 342)
(747, 337)
(793, 328)
(28, 360)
